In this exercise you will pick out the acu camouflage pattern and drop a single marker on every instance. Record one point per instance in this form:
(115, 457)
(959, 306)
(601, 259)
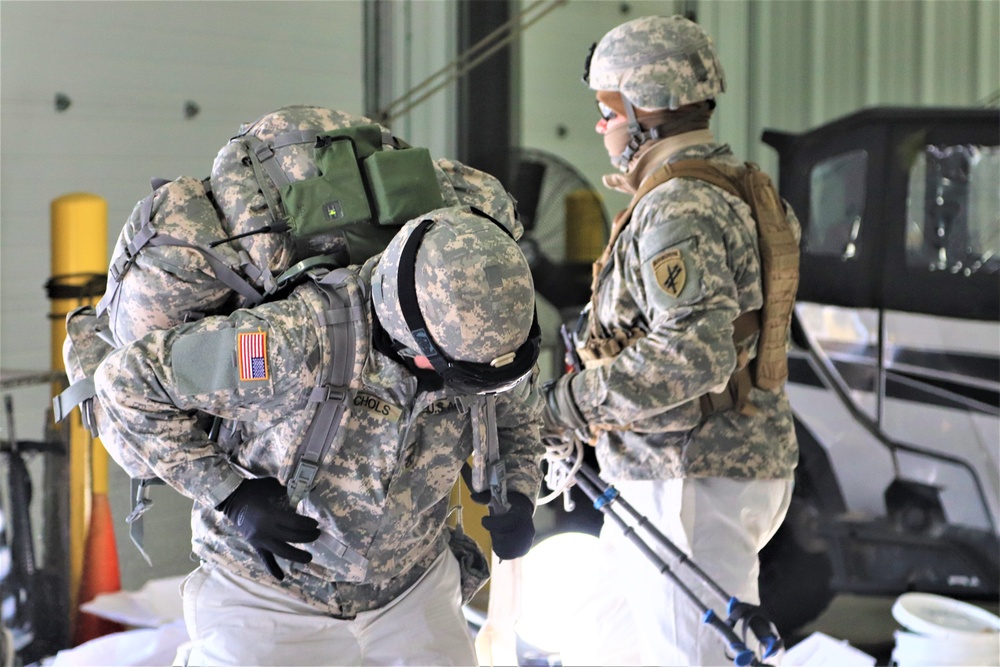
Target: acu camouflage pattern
(83, 350)
(461, 185)
(244, 205)
(383, 489)
(167, 283)
(154, 424)
(473, 285)
(658, 62)
(643, 406)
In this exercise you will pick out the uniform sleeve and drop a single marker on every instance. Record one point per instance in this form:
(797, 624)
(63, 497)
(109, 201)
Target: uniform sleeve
(519, 414)
(678, 276)
(155, 391)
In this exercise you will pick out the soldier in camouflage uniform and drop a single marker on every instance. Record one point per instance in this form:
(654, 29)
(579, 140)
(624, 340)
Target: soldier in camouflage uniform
(385, 587)
(675, 277)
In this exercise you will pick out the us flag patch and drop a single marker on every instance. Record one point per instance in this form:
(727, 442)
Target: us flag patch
(251, 349)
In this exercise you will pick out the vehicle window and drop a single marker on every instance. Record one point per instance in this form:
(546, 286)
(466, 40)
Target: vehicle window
(836, 204)
(953, 210)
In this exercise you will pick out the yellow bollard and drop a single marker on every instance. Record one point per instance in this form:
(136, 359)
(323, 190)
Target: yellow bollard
(79, 256)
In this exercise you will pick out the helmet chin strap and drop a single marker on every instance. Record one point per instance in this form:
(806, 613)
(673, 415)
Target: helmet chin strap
(637, 136)
(667, 123)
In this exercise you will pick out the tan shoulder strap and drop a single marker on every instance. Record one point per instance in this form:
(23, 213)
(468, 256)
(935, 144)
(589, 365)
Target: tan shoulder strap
(657, 178)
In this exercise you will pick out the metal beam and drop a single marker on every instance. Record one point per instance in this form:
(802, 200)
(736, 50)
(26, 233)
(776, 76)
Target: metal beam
(486, 96)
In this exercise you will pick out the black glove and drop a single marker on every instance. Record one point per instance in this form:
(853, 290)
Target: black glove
(513, 531)
(264, 517)
(478, 497)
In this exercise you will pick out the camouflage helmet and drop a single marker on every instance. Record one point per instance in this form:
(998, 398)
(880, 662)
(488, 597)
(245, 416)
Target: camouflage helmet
(473, 287)
(657, 62)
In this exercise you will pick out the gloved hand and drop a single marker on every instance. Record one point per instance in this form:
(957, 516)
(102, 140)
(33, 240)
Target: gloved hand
(513, 531)
(264, 517)
(478, 497)
(561, 411)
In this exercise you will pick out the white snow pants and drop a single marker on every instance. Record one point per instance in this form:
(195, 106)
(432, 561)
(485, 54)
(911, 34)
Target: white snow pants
(236, 621)
(638, 615)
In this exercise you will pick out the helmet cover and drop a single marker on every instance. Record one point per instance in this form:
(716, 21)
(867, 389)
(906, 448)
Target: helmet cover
(657, 62)
(472, 282)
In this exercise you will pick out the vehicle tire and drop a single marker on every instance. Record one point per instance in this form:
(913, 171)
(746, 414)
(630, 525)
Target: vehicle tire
(794, 582)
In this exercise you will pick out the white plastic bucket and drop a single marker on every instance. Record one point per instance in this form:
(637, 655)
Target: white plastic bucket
(942, 631)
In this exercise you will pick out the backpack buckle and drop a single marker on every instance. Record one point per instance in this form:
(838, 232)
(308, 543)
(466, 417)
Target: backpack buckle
(327, 392)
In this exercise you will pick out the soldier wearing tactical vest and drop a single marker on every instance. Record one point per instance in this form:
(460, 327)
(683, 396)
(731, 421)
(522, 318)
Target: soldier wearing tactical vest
(684, 351)
(356, 567)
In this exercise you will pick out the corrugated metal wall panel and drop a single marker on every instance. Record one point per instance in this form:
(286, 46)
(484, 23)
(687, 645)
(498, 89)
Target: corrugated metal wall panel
(894, 59)
(949, 49)
(837, 43)
(811, 61)
(987, 22)
(781, 53)
(729, 25)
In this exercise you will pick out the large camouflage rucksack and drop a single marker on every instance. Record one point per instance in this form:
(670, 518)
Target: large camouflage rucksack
(297, 187)
(299, 183)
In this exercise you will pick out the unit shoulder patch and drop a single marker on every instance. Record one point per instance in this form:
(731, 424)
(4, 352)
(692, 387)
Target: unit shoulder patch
(671, 275)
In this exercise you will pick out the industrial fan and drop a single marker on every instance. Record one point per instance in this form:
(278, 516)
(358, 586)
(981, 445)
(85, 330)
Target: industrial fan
(565, 225)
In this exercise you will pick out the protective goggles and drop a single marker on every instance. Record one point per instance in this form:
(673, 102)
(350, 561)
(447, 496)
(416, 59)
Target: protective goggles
(607, 113)
(463, 376)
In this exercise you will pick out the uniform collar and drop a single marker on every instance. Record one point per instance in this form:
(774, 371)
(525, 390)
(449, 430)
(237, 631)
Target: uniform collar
(651, 156)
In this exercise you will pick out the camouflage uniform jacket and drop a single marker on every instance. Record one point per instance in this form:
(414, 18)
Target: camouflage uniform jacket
(682, 270)
(383, 488)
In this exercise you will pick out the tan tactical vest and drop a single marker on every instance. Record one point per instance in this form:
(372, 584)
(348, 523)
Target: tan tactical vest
(779, 255)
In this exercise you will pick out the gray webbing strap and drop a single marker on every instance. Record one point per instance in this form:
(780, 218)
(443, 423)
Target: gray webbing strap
(328, 548)
(334, 393)
(484, 427)
(121, 265)
(142, 502)
(219, 266)
(147, 235)
(388, 139)
(71, 397)
(267, 170)
(294, 137)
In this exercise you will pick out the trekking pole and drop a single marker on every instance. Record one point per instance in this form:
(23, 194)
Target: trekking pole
(606, 498)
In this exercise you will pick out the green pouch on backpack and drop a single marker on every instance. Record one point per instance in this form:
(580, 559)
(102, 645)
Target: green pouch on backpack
(334, 198)
(356, 176)
(403, 184)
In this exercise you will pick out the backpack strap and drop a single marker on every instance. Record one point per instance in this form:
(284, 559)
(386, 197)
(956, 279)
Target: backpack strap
(486, 452)
(142, 502)
(334, 393)
(72, 396)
